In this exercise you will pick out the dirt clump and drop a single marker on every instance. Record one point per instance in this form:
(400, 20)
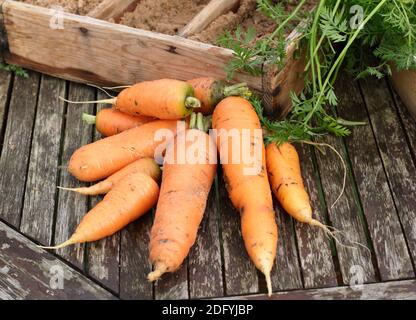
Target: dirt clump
(81, 7)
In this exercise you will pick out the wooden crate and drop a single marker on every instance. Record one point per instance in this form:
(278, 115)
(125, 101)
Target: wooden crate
(90, 50)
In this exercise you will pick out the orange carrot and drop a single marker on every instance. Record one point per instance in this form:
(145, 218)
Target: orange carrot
(167, 99)
(211, 91)
(249, 191)
(182, 201)
(110, 121)
(102, 158)
(146, 165)
(132, 197)
(286, 181)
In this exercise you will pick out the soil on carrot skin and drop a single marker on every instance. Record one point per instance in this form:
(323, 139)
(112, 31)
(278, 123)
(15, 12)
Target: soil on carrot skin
(245, 16)
(81, 7)
(164, 16)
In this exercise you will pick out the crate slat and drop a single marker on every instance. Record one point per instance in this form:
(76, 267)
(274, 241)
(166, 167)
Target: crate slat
(95, 51)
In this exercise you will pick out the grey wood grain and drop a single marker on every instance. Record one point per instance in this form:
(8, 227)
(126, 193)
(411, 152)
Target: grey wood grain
(27, 272)
(173, 285)
(286, 271)
(205, 266)
(39, 202)
(240, 273)
(394, 290)
(16, 147)
(5, 82)
(355, 263)
(314, 247)
(391, 252)
(72, 206)
(134, 260)
(103, 256)
(395, 154)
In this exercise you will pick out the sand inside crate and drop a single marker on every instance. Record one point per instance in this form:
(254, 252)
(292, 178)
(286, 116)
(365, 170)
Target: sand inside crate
(81, 7)
(246, 16)
(164, 16)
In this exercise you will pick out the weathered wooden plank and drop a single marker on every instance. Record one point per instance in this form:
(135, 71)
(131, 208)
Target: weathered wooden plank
(240, 273)
(392, 256)
(39, 202)
(313, 245)
(394, 290)
(27, 272)
(103, 256)
(205, 267)
(278, 82)
(111, 9)
(286, 272)
(395, 154)
(409, 123)
(16, 147)
(72, 206)
(211, 11)
(173, 285)
(345, 216)
(5, 82)
(134, 260)
(95, 51)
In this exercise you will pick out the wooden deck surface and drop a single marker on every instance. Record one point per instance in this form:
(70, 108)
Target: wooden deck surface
(38, 134)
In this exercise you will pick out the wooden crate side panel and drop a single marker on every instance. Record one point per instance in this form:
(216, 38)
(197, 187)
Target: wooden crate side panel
(105, 53)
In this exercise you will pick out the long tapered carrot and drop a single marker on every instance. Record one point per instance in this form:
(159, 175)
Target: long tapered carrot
(132, 197)
(211, 91)
(286, 181)
(146, 165)
(109, 121)
(183, 196)
(167, 99)
(102, 158)
(249, 190)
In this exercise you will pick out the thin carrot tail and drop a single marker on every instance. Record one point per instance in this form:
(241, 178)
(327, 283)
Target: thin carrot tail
(68, 242)
(108, 101)
(157, 273)
(332, 234)
(117, 87)
(269, 283)
(99, 188)
(88, 118)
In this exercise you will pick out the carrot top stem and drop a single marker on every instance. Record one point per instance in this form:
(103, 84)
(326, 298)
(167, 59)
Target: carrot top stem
(208, 123)
(192, 102)
(200, 122)
(239, 89)
(88, 118)
(192, 121)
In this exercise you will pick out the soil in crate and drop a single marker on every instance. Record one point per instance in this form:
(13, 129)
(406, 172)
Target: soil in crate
(81, 7)
(164, 16)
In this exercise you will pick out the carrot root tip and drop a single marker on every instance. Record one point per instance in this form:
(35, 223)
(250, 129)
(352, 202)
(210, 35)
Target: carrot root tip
(59, 246)
(157, 273)
(269, 283)
(88, 118)
(108, 101)
(192, 103)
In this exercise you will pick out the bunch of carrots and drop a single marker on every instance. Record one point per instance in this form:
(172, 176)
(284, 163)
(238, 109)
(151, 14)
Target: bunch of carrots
(125, 167)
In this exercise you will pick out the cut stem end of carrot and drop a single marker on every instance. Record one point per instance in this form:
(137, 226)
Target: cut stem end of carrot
(192, 103)
(239, 90)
